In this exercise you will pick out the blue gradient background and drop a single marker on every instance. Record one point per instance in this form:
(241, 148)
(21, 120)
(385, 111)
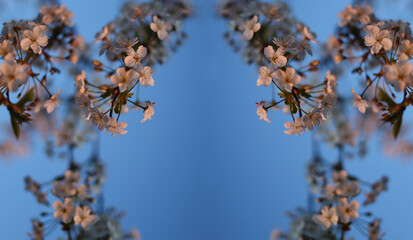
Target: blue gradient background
(205, 167)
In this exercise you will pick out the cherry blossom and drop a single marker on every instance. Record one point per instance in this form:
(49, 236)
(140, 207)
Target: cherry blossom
(377, 39)
(34, 39)
(287, 79)
(135, 57)
(262, 112)
(84, 217)
(161, 27)
(276, 57)
(347, 211)
(359, 102)
(64, 211)
(53, 102)
(327, 217)
(249, 27)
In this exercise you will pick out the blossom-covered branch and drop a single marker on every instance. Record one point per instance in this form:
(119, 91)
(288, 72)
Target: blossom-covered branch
(140, 37)
(380, 52)
(273, 37)
(30, 52)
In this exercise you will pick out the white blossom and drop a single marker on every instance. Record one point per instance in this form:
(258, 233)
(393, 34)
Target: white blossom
(287, 79)
(377, 39)
(148, 112)
(98, 119)
(327, 217)
(358, 13)
(249, 27)
(161, 27)
(313, 118)
(71, 178)
(266, 74)
(13, 75)
(327, 103)
(64, 211)
(84, 104)
(7, 50)
(116, 128)
(331, 81)
(103, 34)
(262, 112)
(406, 48)
(124, 79)
(81, 81)
(347, 211)
(53, 102)
(305, 31)
(145, 75)
(276, 57)
(399, 75)
(340, 177)
(297, 127)
(358, 102)
(84, 217)
(34, 39)
(135, 57)
(329, 192)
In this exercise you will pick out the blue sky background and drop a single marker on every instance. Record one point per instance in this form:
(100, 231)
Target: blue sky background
(205, 167)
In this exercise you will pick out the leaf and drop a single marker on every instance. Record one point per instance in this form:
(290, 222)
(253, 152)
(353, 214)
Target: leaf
(384, 97)
(397, 125)
(28, 97)
(15, 125)
(106, 94)
(293, 108)
(304, 93)
(118, 108)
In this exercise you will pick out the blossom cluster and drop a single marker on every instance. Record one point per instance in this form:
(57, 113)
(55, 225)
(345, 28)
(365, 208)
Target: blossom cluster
(30, 52)
(77, 208)
(274, 38)
(380, 52)
(279, 45)
(142, 36)
(337, 208)
(135, 41)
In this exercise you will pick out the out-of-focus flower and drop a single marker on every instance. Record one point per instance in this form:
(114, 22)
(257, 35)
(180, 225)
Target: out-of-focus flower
(161, 27)
(327, 217)
(13, 75)
(64, 211)
(53, 102)
(399, 75)
(249, 27)
(98, 119)
(347, 211)
(84, 217)
(313, 118)
(358, 102)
